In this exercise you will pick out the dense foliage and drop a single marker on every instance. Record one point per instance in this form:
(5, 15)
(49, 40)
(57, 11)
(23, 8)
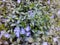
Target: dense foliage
(22, 21)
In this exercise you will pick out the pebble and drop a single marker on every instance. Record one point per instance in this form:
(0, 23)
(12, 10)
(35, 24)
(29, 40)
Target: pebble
(29, 39)
(45, 43)
(36, 43)
(55, 39)
(0, 42)
(6, 43)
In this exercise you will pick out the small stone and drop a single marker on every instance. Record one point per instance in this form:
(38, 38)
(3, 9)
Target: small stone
(0, 42)
(29, 39)
(38, 39)
(5, 43)
(18, 40)
(36, 43)
(12, 44)
(45, 43)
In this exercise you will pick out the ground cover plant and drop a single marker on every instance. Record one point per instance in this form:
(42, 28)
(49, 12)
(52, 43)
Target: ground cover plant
(29, 22)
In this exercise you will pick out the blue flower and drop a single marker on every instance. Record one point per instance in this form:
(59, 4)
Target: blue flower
(18, 1)
(52, 16)
(4, 0)
(7, 35)
(48, 1)
(22, 31)
(17, 34)
(30, 12)
(28, 34)
(0, 36)
(3, 32)
(58, 12)
(27, 28)
(17, 31)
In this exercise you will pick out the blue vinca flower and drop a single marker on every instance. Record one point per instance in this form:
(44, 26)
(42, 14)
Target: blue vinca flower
(7, 35)
(22, 31)
(3, 32)
(30, 12)
(27, 28)
(28, 34)
(18, 1)
(4, 0)
(17, 31)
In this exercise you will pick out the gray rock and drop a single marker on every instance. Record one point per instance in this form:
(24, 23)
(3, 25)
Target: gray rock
(35, 43)
(29, 39)
(38, 39)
